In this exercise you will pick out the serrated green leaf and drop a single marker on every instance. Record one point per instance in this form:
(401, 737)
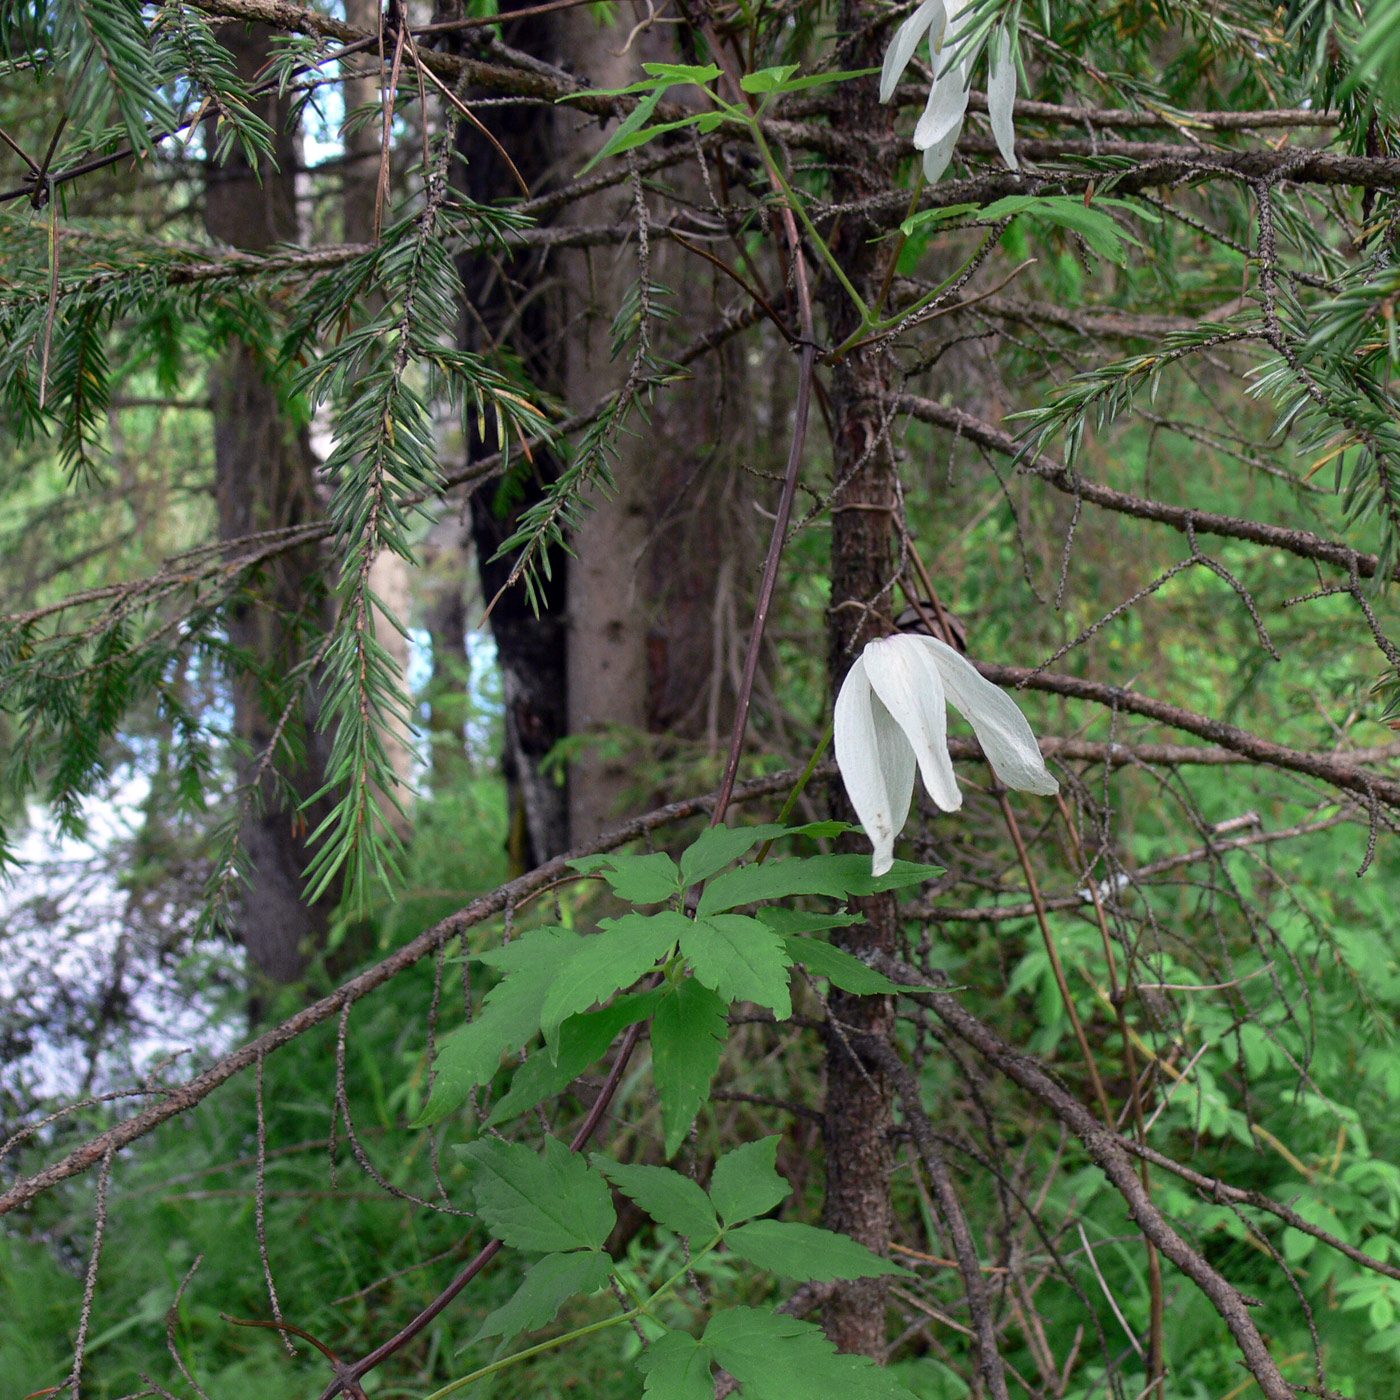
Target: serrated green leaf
(845, 970)
(836, 875)
(547, 1286)
(649, 879)
(619, 953)
(806, 1252)
(508, 1018)
(746, 1183)
(688, 1033)
(621, 142)
(741, 958)
(791, 922)
(768, 79)
(582, 1041)
(718, 846)
(774, 1357)
(524, 954)
(631, 124)
(821, 830)
(780, 80)
(682, 72)
(555, 1202)
(677, 1367)
(671, 1199)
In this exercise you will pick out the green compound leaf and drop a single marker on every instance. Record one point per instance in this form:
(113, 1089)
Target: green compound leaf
(741, 959)
(547, 1286)
(508, 1018)
(650, 879)
(677, 1367)
(806, 1252)
(835, 875)
(554, 1202)
(782, 1358)
(746, 1183)
(608, 962)
(582, 1041)
(843, 969)
(688, 1033)
(671, 1199)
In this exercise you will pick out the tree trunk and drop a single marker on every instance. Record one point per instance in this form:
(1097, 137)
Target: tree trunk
(511, 297)
(264, 480)
(858, 1122)
(637, 655)
(650, 617)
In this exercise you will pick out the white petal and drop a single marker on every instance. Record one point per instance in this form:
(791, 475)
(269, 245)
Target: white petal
(876, 762)
(1001, 96)
(1001, 728)
(905, 41)
(947, 102)
(940, 36)
(906, 681)
(936, 158)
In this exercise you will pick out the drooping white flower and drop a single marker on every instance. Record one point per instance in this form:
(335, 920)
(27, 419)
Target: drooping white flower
(891, 719)
(941, 123)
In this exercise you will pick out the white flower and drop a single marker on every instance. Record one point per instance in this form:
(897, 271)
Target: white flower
(891, 718)
(941, 124)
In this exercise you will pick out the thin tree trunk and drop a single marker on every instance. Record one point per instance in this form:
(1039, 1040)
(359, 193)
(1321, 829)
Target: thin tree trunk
(650, 625)
(531, 648)
(264, 479)
(859, 1120)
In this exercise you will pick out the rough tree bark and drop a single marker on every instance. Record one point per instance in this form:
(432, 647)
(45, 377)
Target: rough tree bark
(607, 604)
(858, 1122)
(264, 479)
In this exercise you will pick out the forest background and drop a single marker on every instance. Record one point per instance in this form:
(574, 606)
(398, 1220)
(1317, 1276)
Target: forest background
(453, 459)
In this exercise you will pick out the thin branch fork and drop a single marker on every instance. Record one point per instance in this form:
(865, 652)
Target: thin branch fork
(1112, 1155)
(935, 912)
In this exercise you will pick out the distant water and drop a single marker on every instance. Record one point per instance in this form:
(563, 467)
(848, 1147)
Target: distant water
(98, 982)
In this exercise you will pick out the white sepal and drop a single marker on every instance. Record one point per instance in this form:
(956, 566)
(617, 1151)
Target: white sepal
(1002, 730)
(876, 762)
(890, 721)
(946, 106)
(938, 156)
(906, 680)
(1001, 96)
(929, 15)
